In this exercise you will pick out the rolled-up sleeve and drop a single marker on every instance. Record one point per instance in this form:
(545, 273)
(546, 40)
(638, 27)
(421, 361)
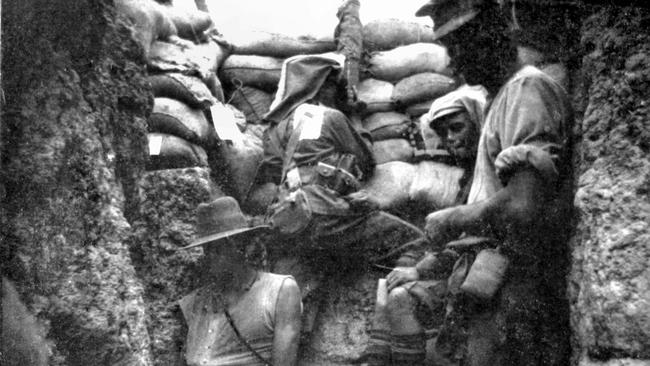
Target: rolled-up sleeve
(533, 132)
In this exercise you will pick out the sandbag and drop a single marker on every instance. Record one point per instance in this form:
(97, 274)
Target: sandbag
(421, 87)
(382, 119)
(408, 60)
(187, 89)
(392, 150)
(177, 118)
(149, 20)
(418, 109)
(386, 34)
(391, 183)
(253, 102)
(277, 45)
(172, 152)
(190, 22)
(387, 125)
(436, 185)
(376, 94)
(202, 59)
(262, 72)
(243, 159)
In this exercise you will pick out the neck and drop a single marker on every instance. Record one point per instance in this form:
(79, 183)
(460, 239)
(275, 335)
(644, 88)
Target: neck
(529, 56)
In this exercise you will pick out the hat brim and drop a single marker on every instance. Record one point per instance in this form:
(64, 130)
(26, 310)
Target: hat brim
(227, 234)
(454, 24)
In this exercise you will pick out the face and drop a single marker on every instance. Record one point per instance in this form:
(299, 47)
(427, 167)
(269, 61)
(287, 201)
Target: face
(480, 51)
(223, 258)
(459, 135)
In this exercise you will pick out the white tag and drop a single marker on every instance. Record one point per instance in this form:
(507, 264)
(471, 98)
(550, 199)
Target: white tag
(311, 118)
(293, 178)
(155, 144)
(225, 125)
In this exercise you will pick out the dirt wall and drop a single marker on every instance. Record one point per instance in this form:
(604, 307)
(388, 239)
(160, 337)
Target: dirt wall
(73, 144)
(611, 277)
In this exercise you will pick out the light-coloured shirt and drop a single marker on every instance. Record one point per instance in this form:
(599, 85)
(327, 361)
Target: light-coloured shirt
(527, 125)
(211, 341)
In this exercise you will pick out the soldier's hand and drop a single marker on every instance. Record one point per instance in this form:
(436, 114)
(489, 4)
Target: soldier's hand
(362, 201)
(401, 275)
(439, 227)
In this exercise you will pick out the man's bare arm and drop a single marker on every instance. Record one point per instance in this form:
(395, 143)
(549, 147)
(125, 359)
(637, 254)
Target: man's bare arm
(287, 325)
(515, 207)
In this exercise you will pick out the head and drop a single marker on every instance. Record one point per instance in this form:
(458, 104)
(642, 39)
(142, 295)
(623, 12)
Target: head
(332, 93)
(459, 136)
(475, 33)
(457, 118)
(228, 237)
(306, 78)
(232, 255)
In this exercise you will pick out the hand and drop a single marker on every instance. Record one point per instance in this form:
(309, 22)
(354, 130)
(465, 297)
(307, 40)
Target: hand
(401, 275)
(439, 227)
(362, 201)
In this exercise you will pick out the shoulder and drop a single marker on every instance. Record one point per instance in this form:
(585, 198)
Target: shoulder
(530, 77)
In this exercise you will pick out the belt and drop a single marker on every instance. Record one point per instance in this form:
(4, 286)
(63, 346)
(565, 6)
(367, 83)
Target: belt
(323, 174)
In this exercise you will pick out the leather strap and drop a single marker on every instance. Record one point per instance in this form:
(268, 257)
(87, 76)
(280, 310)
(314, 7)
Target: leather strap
(290, 149)
(242, 340)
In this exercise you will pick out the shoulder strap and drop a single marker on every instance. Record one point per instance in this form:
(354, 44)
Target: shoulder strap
(292, 144)
(243, 341)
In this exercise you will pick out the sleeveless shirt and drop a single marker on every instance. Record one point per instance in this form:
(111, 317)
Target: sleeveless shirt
(211, 340)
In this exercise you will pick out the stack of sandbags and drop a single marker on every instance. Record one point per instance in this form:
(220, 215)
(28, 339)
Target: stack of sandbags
(252, 72)
(182, 73)
(404, 73)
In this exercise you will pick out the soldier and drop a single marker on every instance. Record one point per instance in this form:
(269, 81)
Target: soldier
(407, 314)
(520, 194)
(317, 158)
(243, 316)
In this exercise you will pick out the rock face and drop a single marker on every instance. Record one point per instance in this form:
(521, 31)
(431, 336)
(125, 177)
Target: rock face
(73, 144)
(168, 199)
(611, 276)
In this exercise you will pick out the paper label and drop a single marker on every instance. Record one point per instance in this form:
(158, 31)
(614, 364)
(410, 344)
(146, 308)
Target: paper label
(225, 125)
(311, 118)
(155, 144)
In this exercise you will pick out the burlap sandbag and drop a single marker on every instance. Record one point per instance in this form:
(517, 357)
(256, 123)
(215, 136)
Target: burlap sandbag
(252, 101)
(243, 159)
(387, 125)
(382, 119)
(418, 109)
(187, 89)
(261, 72)
(391, 183)
(421, 87)
(277, 45)
(408, 60)
(148, 19)
(203, 59)
(190, 22)
(436, 185)
(260, 198)
(177, 118)
(386, 34)
(376, 94)
(392, 150)
(172, 152)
